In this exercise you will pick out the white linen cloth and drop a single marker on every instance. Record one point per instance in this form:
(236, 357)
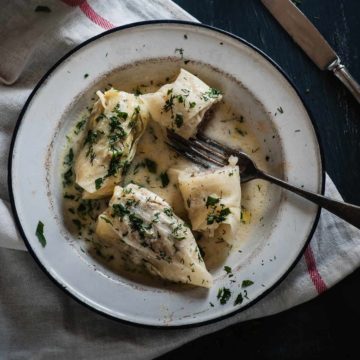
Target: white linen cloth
(39, 321)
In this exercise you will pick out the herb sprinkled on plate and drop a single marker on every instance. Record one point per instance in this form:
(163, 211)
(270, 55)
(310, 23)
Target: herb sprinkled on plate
(224, 295)
(151, 165)
(239, 299)
(40, 233)
(164, 179)
(246, 283)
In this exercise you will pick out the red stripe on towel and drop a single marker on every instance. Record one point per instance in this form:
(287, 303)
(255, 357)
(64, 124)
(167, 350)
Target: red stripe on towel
(315, 276)
(90, 13)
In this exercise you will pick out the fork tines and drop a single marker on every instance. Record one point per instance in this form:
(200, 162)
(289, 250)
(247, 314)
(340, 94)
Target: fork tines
(200, 150)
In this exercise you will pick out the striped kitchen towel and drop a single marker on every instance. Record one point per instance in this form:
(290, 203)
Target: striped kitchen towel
(37, 320)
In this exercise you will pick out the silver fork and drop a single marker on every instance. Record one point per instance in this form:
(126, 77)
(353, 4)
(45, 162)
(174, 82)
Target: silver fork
(207, 152)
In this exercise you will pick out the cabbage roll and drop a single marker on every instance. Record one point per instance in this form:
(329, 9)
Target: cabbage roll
(116, 124)
(181, 105)
(144, 228)
(212, 200)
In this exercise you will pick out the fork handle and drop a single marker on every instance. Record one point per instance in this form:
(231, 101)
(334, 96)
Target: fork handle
(345, 211)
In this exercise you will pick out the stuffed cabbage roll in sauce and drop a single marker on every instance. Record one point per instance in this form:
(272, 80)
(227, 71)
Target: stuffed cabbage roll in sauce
(116, 123)
(212, 200)
(181, 105)
(144, 228)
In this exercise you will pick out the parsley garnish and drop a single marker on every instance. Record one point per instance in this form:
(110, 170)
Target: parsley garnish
(68, 160)
(120, 210)
(115, 164)
(211, 201)
(68, 177)
(106, 220)
(280, 110)
(224, 295)
(79, 126)
(228, 269)
(246, 283)
(239, 299)
(169, 103)
(77, 223)
(219, 217)
(98, 183)
(91, 139)
(179, 120)
(192, 104)
(40, 233)
(164, 179)
(212, 93)
(137, 224)
(168, 212)
(151, 165)
(86, 75)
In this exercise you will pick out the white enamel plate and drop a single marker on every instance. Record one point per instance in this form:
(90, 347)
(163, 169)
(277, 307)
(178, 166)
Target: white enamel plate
(251, 82)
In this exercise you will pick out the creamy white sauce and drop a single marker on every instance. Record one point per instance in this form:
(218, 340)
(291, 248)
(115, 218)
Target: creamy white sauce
(227, 126)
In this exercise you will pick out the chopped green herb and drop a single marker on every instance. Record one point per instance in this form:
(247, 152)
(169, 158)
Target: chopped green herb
(137, 92)
(79, 126)
(224, 295)
(77, 223)
(68, 160)
(40, 233)
(246, 283)
(86, 75)
(151, 165)
(280, 110)
(185, 36)
(212, 93)
(67, 196)
(211, 304)
(179, 120)
(202, 252)
(106, 220)
(42, 8)
(228, 269)
(219, 217)
(114, 166)
(164, 179)
(137, 224)
(211, 201)
(91, 139)
(168, 212)
(120, 210)
(68, 177)
(98, 183)
(239, 299)
(192, 104)
(169, 103)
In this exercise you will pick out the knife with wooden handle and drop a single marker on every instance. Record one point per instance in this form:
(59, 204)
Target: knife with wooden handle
(305, 34)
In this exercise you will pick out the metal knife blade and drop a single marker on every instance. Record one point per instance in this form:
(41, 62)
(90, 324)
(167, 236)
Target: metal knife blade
(302, 31)
(311, 41)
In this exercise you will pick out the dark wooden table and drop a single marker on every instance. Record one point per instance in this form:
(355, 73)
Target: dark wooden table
(324, 326)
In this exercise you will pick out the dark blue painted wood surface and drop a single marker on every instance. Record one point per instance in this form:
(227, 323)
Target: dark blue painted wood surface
(323, 326)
